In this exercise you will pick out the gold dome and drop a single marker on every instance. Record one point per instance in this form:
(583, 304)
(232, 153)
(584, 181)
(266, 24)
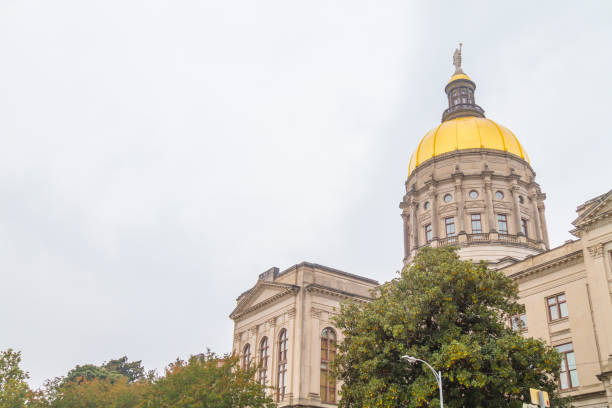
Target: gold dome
(459, 76)
(466, 133)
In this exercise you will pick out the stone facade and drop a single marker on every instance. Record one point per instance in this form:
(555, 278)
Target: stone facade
(581, 272)
(471, 185)
(297, 303)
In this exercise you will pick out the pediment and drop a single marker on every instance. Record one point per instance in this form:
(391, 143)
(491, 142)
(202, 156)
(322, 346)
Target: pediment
(595, 210)
(262, 294)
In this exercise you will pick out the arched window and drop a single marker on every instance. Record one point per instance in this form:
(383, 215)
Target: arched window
(246, 356)
(328, 352)
(262, 375)
(281, 384)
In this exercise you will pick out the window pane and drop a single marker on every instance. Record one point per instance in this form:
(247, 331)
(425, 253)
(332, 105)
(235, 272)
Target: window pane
(565, 348)
(564, 381)
(563, 307)
(574, 377)
(552, 301)
(524, 320)
(571, 361)
(554, 313)
(561, 297)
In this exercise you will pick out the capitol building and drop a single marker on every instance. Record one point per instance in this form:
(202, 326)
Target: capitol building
(470, 184)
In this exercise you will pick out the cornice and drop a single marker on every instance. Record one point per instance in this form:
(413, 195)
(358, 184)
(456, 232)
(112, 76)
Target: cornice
(313, 287)
(240, 311)
(553, 263)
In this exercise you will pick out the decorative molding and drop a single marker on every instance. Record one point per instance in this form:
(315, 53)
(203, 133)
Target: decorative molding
(596, 251)
(313, 287)
(241, 310)
(291, 313)
(315, 312)
(554, 263)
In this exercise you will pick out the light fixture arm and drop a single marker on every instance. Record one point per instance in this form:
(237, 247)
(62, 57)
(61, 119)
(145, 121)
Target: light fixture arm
(437, 375)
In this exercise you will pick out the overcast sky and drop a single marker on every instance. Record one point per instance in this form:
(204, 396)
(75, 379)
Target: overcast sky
(156, 156)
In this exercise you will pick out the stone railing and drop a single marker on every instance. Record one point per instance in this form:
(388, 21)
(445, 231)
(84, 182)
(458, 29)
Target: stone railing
(508, 238)
(448, 240)
(481, 237)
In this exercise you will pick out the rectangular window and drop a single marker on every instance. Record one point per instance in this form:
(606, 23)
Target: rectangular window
(450, 226)
(502, 223)
(476, 224)
(519, 322)
(557, 307)
(568, 376)
(428, 234)
(524, 227)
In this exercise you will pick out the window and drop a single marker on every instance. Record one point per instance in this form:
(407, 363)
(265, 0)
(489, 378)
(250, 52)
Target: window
(450, 226)
(428, 234)
(426, 205)
(499, 195)
(568, 376)
(448, 198)
(502, 223)
(524, 227)
(476, 224)
(521, 199)
(519, 322)
(246, 356)
(473, 194)
(281, 384)
(557, 307)
(262, 375)
(328, 352)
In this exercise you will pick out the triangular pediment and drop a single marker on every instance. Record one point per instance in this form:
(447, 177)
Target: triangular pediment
(594, 210)
(263, 293)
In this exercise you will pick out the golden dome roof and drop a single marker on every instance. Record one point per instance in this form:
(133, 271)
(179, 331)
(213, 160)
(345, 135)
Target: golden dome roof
(466, 133)
(459, 76)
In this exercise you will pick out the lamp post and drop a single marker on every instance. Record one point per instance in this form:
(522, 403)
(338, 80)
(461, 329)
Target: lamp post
(437, 374)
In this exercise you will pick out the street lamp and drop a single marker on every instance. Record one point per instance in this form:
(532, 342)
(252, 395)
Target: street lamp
(437, 374)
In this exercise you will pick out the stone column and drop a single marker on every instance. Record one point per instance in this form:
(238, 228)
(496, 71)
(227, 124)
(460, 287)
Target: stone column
(459, 199)
(415, 225)
(517, 209)
(433, 196)
(536, 216)
(406, 219)
(542, 217)
(489, 202)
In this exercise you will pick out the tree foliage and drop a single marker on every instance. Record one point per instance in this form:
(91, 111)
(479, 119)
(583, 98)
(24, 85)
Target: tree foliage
(13, 386)
(453, 314)
(207, 381)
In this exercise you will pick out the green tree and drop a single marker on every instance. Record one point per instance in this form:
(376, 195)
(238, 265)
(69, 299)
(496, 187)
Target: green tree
(207, 381)
(133, 371)
(453, 314)
(13, 386)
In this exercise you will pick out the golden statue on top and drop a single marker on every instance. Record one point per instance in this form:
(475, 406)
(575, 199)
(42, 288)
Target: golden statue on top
(457, 60)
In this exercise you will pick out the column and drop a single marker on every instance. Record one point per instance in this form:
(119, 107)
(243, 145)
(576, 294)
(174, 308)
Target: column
(536, 216)
(415, 225)
(489, 205)
(459, 199)
(517, 210)
(406, 219)
(541, 209)
(433, 197)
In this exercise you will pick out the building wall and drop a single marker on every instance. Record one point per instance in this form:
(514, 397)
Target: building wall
(304, 311)
(581, 270)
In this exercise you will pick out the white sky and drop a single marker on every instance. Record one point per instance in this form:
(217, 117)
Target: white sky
(158, 155)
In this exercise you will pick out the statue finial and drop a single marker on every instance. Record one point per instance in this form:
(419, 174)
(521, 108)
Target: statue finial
(457, 60)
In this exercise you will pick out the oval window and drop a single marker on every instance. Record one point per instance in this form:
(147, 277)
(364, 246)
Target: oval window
(473, 194)
(499, 195)
(448, 198)
(426, 205)
(521, 199)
